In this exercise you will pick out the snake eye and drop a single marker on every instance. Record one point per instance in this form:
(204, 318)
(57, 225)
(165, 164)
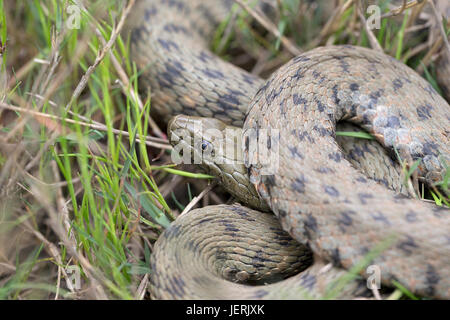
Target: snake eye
(207, 148)
(205, 145)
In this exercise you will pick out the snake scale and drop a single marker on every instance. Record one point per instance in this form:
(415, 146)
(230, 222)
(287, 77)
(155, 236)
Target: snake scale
(320, 192)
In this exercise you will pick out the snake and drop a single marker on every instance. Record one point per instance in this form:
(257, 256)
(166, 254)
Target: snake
(337, 210)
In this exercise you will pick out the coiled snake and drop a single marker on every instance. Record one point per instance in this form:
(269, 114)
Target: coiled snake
(318, 195)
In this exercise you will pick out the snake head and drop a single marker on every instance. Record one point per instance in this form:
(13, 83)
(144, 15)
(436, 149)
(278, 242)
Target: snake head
(217, 148)
(204, 141)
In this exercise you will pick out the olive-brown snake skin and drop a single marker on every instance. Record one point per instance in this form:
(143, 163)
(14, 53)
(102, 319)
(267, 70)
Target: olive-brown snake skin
(321, 199)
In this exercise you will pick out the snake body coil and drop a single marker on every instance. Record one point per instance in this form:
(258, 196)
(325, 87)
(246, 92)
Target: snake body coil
(321, 199)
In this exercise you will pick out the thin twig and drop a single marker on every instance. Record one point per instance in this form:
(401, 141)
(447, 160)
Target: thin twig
(403, 7)
(101, 55)
(372, 39)
(441, 27)
(330, 25)
(415, 12)
(414, 51)
(227, 32)
(52, 250)
(127, 90)
(428, 57)
(266, 23)
(196, 199)
(142, 288)
(61, 232)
